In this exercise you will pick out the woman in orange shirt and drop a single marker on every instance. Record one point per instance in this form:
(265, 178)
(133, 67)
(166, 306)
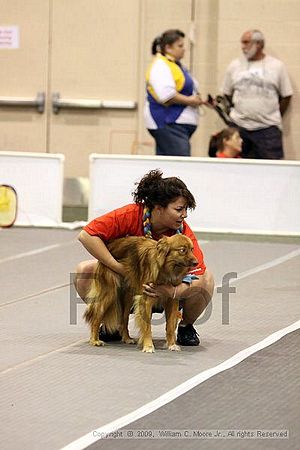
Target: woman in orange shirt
(159, 209)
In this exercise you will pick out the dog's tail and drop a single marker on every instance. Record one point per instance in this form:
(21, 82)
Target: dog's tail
(102, 299)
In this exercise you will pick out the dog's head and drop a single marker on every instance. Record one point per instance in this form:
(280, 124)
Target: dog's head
(175, 258)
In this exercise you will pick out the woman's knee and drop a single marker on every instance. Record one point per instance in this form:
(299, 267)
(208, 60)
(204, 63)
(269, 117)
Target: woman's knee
(86, 267)
(83, 276)
(206, 282)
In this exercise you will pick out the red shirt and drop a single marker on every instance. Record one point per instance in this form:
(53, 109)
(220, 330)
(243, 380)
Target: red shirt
(128, 221)
(222, 155)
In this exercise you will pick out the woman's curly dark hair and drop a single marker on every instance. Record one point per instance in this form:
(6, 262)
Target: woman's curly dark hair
(153, 190)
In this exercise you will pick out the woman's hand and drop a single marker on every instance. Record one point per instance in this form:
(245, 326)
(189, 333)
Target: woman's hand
(163, 291)
(158, 291)
(195, 100)
(187, 100)
(150, 290)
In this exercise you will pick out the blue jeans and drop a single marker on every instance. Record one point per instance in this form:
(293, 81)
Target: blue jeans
(173, 139)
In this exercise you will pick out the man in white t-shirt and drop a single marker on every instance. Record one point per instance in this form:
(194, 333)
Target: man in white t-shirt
(259, 89)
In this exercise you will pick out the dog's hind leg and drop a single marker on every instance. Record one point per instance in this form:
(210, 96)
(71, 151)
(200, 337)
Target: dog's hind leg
(171, 312)
(95, 325)
(102, 306)
(127, 303)
(143, 316)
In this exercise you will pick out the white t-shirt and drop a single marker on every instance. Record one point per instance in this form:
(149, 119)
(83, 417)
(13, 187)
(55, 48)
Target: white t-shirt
(256, 87)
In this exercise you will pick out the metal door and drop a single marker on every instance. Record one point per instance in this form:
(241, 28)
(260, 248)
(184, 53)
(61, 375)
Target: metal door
(24, 38)
(94, 79)
(80, 55)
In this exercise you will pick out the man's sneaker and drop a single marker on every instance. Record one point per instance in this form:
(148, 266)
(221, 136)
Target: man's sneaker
(187, 335)
(109, 337)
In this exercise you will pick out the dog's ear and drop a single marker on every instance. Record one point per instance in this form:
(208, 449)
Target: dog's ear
(163, 248)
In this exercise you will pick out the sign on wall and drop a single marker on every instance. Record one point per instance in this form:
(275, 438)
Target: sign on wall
(9, 37)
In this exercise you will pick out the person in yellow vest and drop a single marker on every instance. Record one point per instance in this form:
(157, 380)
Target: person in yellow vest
(172, 105)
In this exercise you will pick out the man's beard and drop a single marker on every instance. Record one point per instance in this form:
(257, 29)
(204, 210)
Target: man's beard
(251, 52)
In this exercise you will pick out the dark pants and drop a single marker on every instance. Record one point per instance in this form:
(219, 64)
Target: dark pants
(265, 143)
(173, 139)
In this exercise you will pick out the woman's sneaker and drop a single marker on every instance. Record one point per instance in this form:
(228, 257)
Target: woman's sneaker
(109, 337)
(187, 335)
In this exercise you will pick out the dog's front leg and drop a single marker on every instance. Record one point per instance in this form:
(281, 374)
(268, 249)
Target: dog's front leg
(143, 314)
(171, 312)
(128, 303)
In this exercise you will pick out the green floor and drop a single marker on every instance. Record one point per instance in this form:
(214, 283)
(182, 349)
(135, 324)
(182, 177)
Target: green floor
(73, 213)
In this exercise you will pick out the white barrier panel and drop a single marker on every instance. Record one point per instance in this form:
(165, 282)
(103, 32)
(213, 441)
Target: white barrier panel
(235, 196)
(38, 180)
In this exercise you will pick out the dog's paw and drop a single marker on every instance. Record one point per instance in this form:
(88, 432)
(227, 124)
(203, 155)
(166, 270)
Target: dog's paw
(174, 348)
(148, 349)
(128, 340)
(96, 342)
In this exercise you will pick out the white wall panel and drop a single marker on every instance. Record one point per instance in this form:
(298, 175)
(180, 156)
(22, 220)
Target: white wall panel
(38, 180)
(240, 196)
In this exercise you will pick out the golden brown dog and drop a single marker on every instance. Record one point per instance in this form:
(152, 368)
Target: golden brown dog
(111, 296)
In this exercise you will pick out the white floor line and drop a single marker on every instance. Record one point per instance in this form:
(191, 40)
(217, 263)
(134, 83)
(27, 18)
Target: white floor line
(43, 356)
(89, 438)
(35, 294)
(95, 435)
(35, 252)
(268, 265)
(242, 275)
(261, 268)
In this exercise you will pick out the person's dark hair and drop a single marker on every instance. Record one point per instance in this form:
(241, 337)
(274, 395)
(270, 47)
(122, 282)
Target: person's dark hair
(155, 48)
(153, 190)
(168, 38)
(216, 142)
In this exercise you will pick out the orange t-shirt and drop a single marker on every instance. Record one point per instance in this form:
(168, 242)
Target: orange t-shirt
(128, 221)
(222, 155)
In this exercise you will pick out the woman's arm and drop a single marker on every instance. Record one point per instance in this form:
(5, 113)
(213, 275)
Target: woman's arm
(97, 248)
(162, 83)
(187, 100)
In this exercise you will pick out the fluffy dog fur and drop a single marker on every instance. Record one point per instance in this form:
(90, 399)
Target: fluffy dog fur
(111, 296)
